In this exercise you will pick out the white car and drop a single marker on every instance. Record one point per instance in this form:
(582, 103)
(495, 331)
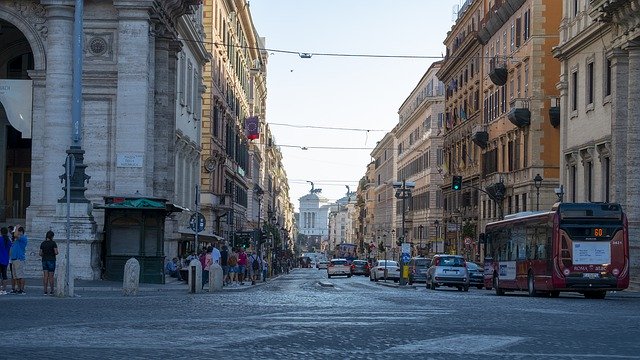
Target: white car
(322, 264)
(338, 267)
(385, 269)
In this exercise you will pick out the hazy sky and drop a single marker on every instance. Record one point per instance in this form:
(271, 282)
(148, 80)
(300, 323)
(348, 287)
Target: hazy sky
(342, 92)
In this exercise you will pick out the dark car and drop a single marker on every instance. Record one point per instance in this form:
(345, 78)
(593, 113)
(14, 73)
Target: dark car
(418, 267)
(360, 267)
(476, 275)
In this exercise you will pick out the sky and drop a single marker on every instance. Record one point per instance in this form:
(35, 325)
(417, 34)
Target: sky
(353, 92)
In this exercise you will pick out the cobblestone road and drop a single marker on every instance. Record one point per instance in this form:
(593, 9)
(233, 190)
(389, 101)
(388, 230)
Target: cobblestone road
(305, 315)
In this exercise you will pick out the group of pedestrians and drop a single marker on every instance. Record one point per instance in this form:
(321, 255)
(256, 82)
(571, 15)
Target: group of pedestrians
(238, 266)
(13, 246)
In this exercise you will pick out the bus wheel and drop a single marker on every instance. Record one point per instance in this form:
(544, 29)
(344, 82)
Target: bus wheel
(496, 286)
(531, 285)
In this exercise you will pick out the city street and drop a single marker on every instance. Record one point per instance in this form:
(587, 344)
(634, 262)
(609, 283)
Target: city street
(306, 315)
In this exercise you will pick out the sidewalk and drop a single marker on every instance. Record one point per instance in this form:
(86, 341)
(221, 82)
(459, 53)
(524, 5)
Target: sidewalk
(34, 286)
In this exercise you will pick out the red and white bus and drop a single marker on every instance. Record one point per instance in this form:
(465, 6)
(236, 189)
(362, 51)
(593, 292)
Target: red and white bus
(576, 247)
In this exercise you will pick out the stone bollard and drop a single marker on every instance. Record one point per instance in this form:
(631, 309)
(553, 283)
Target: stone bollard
(215, 277)
(62, 290)
(131, 278)
(195, 276)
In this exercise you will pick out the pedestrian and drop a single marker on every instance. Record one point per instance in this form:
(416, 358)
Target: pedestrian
(14, 287)
(254, 267)
(224, 258)
(18, 257)
(208, 260)
(215, 255)
(5, 246)
(233, 266)
(48, 252)
(242, 265)
(173, 269)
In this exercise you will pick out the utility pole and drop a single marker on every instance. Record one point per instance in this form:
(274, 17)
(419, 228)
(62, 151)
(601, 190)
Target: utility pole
(403, 191)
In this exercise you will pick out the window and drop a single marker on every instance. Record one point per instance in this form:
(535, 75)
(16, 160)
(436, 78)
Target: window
(607, 80)
(518, 31)
(574, 91)
(525, 147)
(182, 78)
(524, 202)
(576, 5)
(527, 23)
(590, 76)
(588, 179)
(573, 183)
(189, 95)
(526, 80)
(513, 36)
(607, 178)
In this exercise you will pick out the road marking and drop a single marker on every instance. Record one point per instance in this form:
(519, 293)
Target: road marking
(457, 344)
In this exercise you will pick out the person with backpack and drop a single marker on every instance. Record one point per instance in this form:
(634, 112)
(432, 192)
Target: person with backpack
(232, 261)
(5, 246)
(254, 267)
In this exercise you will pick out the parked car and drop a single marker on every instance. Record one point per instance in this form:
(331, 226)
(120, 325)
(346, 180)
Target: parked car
(360, 267)
(476, 275)
(322, 264)
(418, 267)
(338, 267)
(448, 270)
(385, 269)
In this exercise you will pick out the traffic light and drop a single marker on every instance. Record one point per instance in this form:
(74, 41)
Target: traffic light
(456, 182)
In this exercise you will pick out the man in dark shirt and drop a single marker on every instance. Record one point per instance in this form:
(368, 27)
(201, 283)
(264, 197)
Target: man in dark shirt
(48, 251)
(224, 255)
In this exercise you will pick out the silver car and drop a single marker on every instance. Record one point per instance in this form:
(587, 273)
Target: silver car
(448, 270)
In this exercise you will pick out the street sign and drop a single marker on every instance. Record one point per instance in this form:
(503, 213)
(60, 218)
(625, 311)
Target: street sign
(406, 248)
(452, 227)
(199, 220)
(467, 240)
(405, 258)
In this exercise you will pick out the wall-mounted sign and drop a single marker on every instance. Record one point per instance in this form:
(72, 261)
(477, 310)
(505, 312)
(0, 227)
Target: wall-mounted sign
(129, 160)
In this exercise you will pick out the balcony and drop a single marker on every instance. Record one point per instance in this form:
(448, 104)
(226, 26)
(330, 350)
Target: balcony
(519, 115)
(496, 16)
(480, 136)
(498, 70)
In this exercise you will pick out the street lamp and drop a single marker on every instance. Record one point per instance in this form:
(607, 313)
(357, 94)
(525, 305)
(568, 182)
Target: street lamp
(403, 191)
(537, 182)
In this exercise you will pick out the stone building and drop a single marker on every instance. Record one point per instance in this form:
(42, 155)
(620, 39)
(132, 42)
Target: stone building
(599, 51)
(314, 215)
(385, 202)
(131, 133)
(464, 134)
(419, 156)
(244, 183)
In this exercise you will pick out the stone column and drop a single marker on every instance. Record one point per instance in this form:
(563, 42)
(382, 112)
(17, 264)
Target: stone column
(619, 109)
(164, 115)
(46, 190)
(134, 109)
(633, 154)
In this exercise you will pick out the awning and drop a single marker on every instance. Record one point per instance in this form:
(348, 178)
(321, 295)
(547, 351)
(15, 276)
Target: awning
(142, 203)
(208, 234)
(16, 96)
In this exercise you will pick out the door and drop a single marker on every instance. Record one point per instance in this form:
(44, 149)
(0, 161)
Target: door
(18, 193)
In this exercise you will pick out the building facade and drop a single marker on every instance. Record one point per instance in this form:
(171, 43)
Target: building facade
(130, 128)
(599, 51)
(419, 156)
(385, 204)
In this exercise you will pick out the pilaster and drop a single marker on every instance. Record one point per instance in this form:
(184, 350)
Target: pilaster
(134, 109)
(619, 109)
(633, 155)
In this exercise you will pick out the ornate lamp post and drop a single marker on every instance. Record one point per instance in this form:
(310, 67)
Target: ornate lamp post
(537, 182)
(437, 225)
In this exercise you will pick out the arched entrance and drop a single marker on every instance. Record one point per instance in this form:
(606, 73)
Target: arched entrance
(16, 60)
